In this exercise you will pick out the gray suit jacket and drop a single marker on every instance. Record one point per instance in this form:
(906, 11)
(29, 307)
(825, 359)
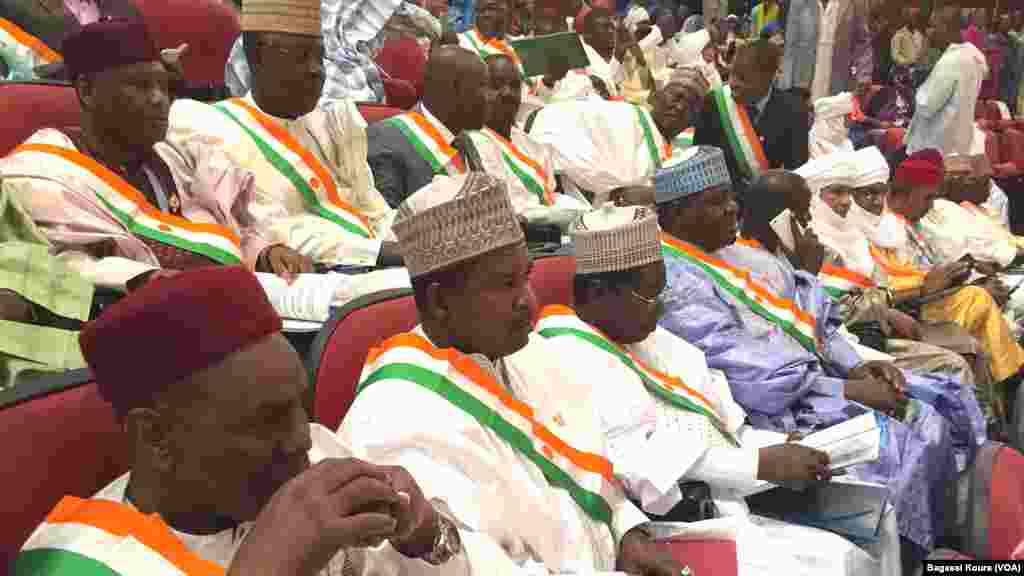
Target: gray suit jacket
(852, 39)
(398, 170)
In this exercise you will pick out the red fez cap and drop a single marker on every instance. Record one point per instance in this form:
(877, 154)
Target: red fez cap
(108, 44)
(922, 168)
(171, 328)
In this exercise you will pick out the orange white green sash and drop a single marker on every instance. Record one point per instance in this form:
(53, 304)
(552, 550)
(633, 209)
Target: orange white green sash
(27, 44)
(528, 171)
(782, 312)
(106, 538)
(685, 139)
(298, 165)
(428, 142)
(891, 267)
(840, 281)
(134, 212)
(557, 320)
(647, 125)
(484, 47)
(743, 140)
(587, 477)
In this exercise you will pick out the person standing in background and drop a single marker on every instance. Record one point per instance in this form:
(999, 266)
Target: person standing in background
(822, 38)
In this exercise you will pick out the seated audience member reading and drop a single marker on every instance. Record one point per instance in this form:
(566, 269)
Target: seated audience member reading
(313, 189)
(508, 153)
(790, 370)
(226, 471)
(406, 151)
(671, 421)
(118, 203)
(612, 149)
(479, 424)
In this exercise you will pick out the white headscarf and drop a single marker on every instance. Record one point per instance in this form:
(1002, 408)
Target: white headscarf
(687, 50)
(829, 133)
(884, 230)
(832, 229)
(634, 17)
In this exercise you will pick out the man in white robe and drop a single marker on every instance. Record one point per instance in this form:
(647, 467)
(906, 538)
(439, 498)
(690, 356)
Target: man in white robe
(691, 429)
(464, 401)
(218, 439)
(599, 42)
(829, 133)
(314, 189)
(944, 106)
(605, 147)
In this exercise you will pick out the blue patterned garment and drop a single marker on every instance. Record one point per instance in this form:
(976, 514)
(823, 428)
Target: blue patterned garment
(786, 388)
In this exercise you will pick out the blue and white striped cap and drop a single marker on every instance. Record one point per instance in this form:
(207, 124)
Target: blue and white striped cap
(695, 170)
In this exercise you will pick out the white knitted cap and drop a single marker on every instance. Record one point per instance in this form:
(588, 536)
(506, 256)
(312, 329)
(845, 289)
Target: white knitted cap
(872, 167)
(833, 169)
(615, 238)
(454, 219)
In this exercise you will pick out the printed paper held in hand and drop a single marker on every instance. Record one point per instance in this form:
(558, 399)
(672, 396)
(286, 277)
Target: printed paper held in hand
(306, 302)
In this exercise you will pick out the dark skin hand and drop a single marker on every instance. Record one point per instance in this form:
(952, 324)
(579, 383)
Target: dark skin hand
(284, 262)
(639, 554)
(903, 325)
(791, 462)
(809, 252)
(946, 276)
(14, 308)
(878, 385)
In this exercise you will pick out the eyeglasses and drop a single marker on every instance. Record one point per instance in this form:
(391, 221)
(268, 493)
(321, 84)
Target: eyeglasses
(648, 301)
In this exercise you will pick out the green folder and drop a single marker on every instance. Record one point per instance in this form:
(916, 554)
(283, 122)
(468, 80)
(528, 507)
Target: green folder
(542, 53)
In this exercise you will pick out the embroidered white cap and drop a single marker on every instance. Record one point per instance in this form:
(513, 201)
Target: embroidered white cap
(615, 238)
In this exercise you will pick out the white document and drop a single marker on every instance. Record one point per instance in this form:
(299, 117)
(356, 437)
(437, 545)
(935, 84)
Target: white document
(782, 225)
(855, 441)
(307, 299)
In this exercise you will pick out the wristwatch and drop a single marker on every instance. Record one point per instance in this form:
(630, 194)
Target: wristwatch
(447, 542)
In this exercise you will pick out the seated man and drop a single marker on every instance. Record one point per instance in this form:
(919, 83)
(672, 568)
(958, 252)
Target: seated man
(213, 434)
(313, 189)
(757, 126)
(787, 364)
(975, 308)
(605, 148)
(478, 424)
(669, 419)
(117, 202)
(596, 25)
(405, 152)
(487, 37)
(508, 153)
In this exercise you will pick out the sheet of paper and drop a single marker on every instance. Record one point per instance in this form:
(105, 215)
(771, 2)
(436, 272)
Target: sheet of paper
(782, 225)
(308, 298)
(725, 528)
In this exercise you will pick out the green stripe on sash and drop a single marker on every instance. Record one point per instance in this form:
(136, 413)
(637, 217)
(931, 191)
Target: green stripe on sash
(787, 326)
(592, 503)
(422, 150)
(208, 250)
(292, 175)
(652, 148)
(654, 387)
(57, 562)
(722, 104)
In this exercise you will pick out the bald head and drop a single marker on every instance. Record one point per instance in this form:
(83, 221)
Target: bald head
(773, 192)
(453, 87)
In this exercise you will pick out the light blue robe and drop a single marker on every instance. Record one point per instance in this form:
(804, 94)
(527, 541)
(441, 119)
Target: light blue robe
(784, 387)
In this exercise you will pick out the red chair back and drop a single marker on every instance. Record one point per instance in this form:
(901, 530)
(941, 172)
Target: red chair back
(552, 280)
(1011, 147)
(403, 59)
(339, 350)
(716, 557)
(62, 439)
(30, 107)
(377, 112)
(400, 93)
(209, 27)
(995, 503)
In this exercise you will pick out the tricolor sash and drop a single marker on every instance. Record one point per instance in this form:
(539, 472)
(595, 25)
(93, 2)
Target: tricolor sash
(27, 44)
(106, 538)
(743, 140)
(782, 312)
(298, 165)
(528, 171)
(839, 281)
(647, 125)
(891, 268)
(459, 380)
(135, 213)
(557, 320)
(685, 139)
(485, 47)
(428, 142)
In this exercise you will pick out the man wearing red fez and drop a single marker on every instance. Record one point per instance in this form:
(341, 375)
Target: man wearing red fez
(118, 202)
(912, 194)
(313, 190)
(226, 471)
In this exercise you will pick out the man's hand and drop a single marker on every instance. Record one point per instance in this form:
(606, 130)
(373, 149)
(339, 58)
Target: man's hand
(881, 370)
(987, 268)
(877, 385)
(14, 308)
(942, 277)
(417, 519)
(792, 463)
(639, 554)
(284, 262)
(903, 325)
(336, 504)
(600, 87)
(808, 250)
(171, 59)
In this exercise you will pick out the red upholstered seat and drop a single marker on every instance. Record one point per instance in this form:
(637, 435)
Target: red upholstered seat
(716, 557)
(28, 107)
(65, 441)
(377, 112)
(992, 147)
(1011, 147)
(552, 280)
(209, 27)
(994, 523)
(403, 59)
(399, 93)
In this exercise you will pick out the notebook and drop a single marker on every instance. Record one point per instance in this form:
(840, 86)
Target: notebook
(541, 53)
